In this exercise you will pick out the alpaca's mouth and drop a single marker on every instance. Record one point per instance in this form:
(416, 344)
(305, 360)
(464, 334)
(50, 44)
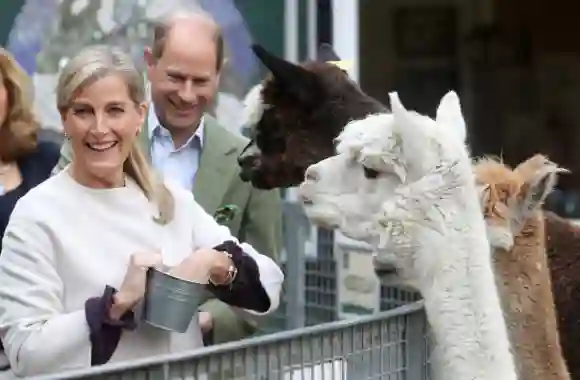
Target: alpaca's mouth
(304, 195)
(258, 180)
(245, 175)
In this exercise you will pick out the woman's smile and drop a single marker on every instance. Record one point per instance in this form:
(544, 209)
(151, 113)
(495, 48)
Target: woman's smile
(102, 146)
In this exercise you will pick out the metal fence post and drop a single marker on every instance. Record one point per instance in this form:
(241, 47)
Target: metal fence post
(416, 354)
(296, 234)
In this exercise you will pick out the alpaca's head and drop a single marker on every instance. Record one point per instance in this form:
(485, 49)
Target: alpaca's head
(295, 114)
(510, 197)
(377, 158)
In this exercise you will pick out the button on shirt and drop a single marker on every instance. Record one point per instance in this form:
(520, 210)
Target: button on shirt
(178, 164)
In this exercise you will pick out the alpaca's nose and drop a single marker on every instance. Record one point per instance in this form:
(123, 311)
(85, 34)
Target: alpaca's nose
(250, 156)
(249, 159)
(311, 174)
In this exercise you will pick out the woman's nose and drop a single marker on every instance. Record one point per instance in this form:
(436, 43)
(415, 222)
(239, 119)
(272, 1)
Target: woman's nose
(100, 126)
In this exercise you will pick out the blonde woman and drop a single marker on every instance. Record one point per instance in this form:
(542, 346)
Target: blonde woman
(77, 247)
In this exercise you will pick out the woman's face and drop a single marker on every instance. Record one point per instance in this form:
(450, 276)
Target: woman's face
(102, 123)
(3, 100)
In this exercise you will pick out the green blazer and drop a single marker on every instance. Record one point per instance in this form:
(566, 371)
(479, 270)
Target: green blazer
(257, 222)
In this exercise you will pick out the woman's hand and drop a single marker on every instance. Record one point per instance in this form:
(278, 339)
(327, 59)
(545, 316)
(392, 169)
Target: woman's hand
(203, 265)
(133, 287)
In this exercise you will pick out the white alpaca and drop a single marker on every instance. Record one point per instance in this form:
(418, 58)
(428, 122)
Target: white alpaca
(403, 182)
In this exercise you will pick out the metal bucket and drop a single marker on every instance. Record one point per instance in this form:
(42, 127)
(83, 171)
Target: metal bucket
(170, 302)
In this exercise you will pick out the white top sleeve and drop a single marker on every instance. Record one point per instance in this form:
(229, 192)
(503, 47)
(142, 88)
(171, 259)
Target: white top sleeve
(38, 336)
(208, 233)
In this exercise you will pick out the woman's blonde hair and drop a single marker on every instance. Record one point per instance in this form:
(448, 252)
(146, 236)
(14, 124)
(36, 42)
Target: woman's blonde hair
(91, 64)
(18, 132)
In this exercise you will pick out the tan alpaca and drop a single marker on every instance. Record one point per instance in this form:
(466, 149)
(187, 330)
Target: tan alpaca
(512, 202)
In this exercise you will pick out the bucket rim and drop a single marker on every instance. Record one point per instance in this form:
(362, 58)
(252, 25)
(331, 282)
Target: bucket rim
(166, 274)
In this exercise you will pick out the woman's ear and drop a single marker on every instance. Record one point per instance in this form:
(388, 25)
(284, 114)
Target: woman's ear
(63, 117)
(142, 109)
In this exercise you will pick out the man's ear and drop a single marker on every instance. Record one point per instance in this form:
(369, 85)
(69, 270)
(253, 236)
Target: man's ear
(148, 56)
(536, 188)
(149, 62)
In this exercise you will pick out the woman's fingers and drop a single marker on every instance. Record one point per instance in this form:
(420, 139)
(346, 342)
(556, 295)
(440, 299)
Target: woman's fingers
(196, 267)
(146, 260)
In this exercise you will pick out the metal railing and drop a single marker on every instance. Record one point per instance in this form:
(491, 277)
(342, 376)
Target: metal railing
(314, 285)
(388, 345)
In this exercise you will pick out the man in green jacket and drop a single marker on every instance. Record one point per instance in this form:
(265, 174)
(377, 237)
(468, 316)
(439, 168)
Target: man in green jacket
(190, 147)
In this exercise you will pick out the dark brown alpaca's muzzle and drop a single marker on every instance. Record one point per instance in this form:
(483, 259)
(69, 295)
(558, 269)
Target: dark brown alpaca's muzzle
(249, 161)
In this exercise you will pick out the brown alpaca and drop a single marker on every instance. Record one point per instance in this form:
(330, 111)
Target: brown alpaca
(564, 261)
(512, 202)
(295, 115)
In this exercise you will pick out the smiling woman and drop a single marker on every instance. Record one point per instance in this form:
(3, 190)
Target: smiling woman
(77, 248)
(101, 116)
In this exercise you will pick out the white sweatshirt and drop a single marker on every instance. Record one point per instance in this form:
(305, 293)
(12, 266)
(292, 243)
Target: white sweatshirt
(65, 242)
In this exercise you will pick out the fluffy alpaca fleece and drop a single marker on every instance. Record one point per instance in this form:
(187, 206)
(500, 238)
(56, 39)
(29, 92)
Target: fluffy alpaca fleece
(417, 172)
(563, 243)
(512, 202)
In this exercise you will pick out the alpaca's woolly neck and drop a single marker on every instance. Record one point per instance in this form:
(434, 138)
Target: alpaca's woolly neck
(523, 279)
(464, 311)
(454, 275)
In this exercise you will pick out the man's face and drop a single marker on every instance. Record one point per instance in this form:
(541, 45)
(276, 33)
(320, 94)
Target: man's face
(184, 80)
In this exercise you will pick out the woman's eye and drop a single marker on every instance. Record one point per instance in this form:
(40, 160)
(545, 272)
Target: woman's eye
(370, 173)
(116, 110)
(80, 111)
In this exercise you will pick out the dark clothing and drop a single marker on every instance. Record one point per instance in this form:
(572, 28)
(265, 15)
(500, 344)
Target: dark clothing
(105, 333)
(246, 291)
(34, 169)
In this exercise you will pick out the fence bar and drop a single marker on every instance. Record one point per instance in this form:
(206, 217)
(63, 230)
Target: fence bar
(341, 336)
(415, 331)
(296, 234)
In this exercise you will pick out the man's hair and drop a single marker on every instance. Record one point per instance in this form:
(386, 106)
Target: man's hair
(162, 27)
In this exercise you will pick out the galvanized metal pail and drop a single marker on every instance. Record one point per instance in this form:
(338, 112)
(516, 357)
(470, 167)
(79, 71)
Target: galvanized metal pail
(170, 302)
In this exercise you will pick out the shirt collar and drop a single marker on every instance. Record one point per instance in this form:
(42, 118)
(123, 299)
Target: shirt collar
(156, 129)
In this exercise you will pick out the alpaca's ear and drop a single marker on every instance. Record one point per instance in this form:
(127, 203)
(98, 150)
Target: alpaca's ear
(536, 188)
(396, 105)
(326, 53)
(400, 113)
(449, 115)
(300, 83)
(534, 164)
(405, 122)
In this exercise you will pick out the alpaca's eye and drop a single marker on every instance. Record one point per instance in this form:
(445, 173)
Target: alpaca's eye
(370, 173)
